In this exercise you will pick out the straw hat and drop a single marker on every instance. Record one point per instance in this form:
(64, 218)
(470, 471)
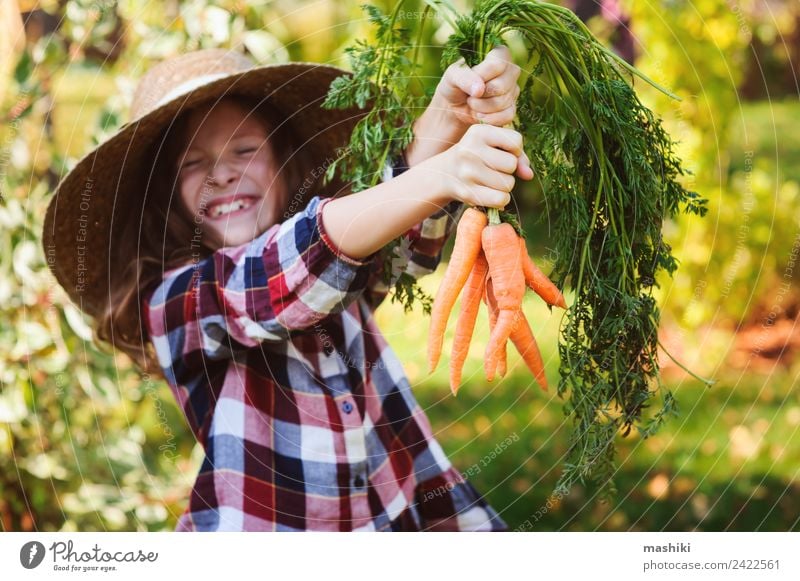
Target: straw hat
(106, 184)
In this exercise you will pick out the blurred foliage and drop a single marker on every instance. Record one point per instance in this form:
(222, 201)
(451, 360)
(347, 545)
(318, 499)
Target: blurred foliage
(772, 69)
(12, 39)
(87, 443)
(734, 259)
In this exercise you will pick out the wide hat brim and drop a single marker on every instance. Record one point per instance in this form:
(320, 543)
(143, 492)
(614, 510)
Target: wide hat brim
(104, 188)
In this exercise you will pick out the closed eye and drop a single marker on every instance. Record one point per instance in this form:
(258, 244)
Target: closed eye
(189, 163)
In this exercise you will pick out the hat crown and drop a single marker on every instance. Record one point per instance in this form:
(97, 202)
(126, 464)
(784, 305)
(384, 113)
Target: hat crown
(113, 175)
(180, 75)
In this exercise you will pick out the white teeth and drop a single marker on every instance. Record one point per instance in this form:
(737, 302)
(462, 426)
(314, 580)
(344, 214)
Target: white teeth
(221, 209)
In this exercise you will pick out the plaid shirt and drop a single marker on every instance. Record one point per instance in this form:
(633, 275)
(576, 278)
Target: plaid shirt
(304, 412)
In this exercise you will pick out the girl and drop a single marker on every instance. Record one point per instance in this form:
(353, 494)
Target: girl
(251, 288)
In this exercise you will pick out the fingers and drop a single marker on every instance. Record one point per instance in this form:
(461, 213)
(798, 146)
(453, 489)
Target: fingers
(493, 136)
(500, 160)
(524, 169)
(507, 163)
(487, 159)
(498, 110)
(489, 87)
(503, 83)
(499, 182)
(500, 148)
(465, 79)
(499, 74)
(495, 63)
(485, 176)
(487, 197)
(494, 104)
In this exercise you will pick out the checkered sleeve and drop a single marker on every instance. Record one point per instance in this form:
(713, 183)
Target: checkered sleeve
(289, 278)
(420, 249)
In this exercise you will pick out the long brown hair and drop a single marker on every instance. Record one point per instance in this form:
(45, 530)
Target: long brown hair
(163, 238)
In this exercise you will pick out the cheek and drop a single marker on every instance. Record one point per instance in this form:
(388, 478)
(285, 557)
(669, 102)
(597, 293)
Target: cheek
(271, 212)
(270, 183)
(263, 172)
(193, 197)
(186, 188)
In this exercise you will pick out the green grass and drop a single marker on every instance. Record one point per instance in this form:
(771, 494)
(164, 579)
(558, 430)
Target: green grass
(730, 461)
(768, 130)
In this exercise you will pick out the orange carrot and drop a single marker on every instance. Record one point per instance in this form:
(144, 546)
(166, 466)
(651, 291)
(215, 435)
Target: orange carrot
(505, 257)
(465, 252)
(501, 361)
(507, 321)
(470, 303)
(538, 282)
(525, 342)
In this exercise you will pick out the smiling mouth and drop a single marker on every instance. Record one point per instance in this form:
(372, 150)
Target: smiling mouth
(235, 207)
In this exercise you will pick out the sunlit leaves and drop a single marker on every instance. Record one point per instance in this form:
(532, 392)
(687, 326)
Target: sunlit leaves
(382, 72)
(67, 409)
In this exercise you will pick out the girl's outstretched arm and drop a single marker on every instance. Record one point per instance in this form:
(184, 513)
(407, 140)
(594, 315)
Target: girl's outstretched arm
(478, 170)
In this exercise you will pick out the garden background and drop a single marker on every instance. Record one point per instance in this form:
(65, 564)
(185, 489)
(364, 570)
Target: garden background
(88, 443)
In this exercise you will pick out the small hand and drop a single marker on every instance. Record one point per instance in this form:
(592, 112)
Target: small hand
(480, 168)
(485, 93)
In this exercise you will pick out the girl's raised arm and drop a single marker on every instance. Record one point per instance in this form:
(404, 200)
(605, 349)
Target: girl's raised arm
(478, 170)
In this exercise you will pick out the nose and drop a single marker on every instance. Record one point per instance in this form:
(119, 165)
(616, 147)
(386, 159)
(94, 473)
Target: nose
(223, 173)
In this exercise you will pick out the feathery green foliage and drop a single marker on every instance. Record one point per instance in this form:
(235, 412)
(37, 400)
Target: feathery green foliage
(611, 178)
(380, 84)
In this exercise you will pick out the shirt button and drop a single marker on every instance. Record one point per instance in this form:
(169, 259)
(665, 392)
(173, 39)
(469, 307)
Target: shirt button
(347, 407)
(358, 482)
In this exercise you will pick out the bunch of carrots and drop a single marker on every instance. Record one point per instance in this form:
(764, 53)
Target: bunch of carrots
(608, 169)
(491, 263)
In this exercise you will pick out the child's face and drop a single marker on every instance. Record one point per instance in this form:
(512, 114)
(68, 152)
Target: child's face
(227, 175)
